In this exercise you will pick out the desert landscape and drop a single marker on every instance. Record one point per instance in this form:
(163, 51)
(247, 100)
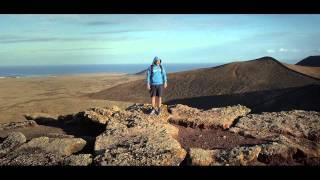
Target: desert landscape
(259, 112)
(55, 95)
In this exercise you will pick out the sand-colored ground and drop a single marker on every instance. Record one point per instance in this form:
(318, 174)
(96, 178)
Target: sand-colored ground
(308, 70)
(55, 95)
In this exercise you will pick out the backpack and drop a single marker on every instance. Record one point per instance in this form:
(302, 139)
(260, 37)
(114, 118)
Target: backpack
(151, 71)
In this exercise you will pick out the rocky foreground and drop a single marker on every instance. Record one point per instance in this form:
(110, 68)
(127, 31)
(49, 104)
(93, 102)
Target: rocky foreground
(131, 137)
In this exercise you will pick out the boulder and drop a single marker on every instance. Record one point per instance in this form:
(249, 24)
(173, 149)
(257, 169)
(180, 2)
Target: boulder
(98, 115)
(134, 138)
(16, 125)
(145, 109)
(215, 117)
(201, 157)
(237, 156)
(45, 151)
(277, 154)
(41, 118)
(12, 141)
(60, 146)
(305, 146)
(296, 123)
(31, 156)
(296, 129)
(78, 160)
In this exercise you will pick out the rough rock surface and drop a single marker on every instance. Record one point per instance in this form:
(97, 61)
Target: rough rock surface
(57, 135)
(306, 147)
(300, 129)
(16, 125)
(237, 156)
(40, 117)
(12, 141)
(31, 157)
(145, 109)
(135, 138)
(99, 115)
(60, 146)
(78, 160)
(297, 123)
(277, 154)
(215, 117)
(42, 151)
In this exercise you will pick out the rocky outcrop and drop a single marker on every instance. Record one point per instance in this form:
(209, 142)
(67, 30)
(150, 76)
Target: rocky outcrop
(41, 151)
(31, 157)
(99, 115)
(78, 160)
(12, 141)
(16, 125)
(234, 157)
(215, 117)
(61, 146)
(277, 154)
(96, 115)
(306, 147)
(40, 118)
(300, 124)
(135, 138)
(145, 109)
(299, 129)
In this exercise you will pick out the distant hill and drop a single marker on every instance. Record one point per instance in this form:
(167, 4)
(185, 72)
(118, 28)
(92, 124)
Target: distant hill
(313, 61)
(308, 70)
(260, 82)
(143, 72)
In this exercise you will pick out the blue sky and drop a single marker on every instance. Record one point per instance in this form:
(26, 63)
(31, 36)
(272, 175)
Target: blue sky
(137, 38)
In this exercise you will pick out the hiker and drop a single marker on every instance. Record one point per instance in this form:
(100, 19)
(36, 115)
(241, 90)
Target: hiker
(156, 81)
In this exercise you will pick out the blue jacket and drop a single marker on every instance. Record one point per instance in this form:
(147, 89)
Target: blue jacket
(158, 77)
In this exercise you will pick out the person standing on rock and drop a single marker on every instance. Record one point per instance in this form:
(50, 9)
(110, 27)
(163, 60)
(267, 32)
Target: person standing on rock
(156, 82)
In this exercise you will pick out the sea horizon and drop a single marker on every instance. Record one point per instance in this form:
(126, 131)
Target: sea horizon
(17, 71)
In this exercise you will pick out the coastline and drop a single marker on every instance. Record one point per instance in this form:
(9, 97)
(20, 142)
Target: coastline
(63, 75)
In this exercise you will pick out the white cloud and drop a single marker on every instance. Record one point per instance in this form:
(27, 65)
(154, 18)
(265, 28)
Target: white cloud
(283, 50)
(271, 51)
(294, 50)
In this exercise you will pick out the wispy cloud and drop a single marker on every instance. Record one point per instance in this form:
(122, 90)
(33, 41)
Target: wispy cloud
(283, 50)
(118, 31)
(100, 23)
(25, 40)
(271, 51)
(75, 49)
(19, 39)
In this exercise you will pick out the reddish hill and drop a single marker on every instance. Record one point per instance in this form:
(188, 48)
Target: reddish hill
(251, 82)
(308, 70)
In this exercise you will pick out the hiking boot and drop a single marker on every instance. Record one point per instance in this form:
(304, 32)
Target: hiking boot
(159, 111)
(153, 112)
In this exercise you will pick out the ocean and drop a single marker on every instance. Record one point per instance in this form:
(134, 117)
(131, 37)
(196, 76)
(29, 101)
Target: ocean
(56, 70)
